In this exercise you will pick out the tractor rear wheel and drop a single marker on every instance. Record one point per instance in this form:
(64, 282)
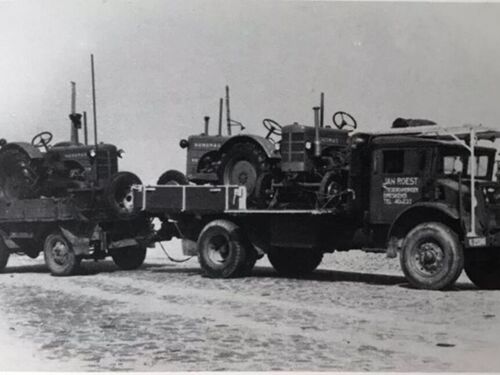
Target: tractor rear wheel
(119, 194)
(129, 258)
(221, 250)
(482, 266)
(17, 176)
(242, 165)
(432, 256)
(4, 254)
(173, 177)
(294, 262)
(59, 255)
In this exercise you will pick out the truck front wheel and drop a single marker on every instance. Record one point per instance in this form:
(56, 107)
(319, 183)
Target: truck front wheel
(129, 258)
(432, 256)
(482, 266)
(59, 255)
(294, 262)
(221, 250)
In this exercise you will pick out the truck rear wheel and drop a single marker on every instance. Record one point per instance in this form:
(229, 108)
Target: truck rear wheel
(432, 256)
(59, 255)
(482, 267)
(129, 258)
(221, 250)
(4, 254)
(294, 262)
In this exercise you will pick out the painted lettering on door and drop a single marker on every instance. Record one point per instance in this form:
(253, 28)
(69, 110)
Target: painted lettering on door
(400, 190)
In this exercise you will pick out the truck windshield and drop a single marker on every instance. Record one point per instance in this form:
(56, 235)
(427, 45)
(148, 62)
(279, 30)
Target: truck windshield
(461, 164)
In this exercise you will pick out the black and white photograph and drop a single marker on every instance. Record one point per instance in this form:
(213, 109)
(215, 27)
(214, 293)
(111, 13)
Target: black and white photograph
(243, 185)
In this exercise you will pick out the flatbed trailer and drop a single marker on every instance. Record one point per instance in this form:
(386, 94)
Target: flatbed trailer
(68, 233)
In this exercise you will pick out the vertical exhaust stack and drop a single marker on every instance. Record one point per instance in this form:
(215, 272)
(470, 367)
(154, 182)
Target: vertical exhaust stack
(322, 111)
(228, 112)
(207, 120)
(221, 105)
(317, 144)
(74, 117)
(93, 98)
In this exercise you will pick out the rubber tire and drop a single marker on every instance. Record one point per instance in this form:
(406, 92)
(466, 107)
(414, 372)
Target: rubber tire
(234, 264)
(452, 249)
(482, 267)
(247, 151)
(73, 261)
(10, 160)
(129, 258)
(121, 181)
(294, 262)
(4, 255)
(173, 177)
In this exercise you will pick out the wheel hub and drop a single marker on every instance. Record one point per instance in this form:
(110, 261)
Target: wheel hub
(244, 173)
(60, 252)
(429, 258)
(218, 249)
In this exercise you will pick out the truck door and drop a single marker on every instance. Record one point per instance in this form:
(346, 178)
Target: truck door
(396, 182)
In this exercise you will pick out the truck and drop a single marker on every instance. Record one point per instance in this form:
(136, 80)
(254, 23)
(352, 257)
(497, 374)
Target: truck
(419, 190)
(69, 201)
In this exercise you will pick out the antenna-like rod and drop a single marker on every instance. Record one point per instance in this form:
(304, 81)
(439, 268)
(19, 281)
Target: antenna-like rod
(322, 110)
(221, 106)
(93, 98)
(85, 129)
(228, 112)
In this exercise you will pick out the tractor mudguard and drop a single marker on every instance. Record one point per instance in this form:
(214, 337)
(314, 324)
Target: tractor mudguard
(266, 144)
(28, 148)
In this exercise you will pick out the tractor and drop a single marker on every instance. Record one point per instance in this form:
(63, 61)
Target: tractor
(305, 167)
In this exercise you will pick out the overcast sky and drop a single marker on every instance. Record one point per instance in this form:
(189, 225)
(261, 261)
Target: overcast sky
(162, 65)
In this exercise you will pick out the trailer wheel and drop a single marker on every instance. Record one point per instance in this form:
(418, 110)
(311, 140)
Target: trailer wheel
(4, 254)
(59, 255)
(432, 256)
(221, 250)
(173, 177)
(129, 258)
(242, 165)
(482, 267)
(294, 262)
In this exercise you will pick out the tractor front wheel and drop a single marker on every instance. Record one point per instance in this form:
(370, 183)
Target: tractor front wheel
(119, 194)
(294, 262)
(482, 266)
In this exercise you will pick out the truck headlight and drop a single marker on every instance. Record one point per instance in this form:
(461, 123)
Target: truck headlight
(308, 145)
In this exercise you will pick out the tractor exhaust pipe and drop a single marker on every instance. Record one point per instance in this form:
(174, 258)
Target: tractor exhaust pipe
(207, 120)
(228, 112)
(221, 106)
(322, 111)
(317, 144)
(74, 117)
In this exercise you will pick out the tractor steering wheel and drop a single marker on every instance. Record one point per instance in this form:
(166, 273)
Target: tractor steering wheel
(42, 139)
(339, 119)
(272, 127)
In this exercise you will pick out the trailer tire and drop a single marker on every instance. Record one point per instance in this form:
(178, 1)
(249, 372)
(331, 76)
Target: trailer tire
(432, 256)
(59, 255)
(129, 258)
(4, 254)
(173, 177)
(482, 267)
(221, 250)
(294, 262)
(119, 194)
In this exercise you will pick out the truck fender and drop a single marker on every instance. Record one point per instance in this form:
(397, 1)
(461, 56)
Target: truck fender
(416, 214)
(28, 148)
(80, 243)
(266, 144)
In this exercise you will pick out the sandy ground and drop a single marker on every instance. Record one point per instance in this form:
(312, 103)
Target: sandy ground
(355, 313)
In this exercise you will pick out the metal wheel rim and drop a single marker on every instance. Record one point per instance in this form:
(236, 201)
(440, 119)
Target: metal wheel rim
(427, 258)
(60, 252)
(126, 201)
(242, 172)
(218, 250)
